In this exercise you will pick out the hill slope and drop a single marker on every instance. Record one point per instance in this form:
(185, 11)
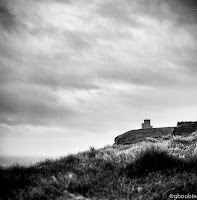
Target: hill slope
(139, 135)
(144, 170)
(185, 128)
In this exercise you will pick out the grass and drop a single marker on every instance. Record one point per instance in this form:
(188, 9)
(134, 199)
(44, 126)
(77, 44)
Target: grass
(140, 135)
(151, 169)
(154, 160)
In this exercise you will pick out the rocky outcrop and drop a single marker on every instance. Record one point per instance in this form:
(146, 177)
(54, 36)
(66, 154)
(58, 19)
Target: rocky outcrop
(134, 136)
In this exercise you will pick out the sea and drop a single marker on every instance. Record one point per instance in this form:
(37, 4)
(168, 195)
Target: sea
(6, 161)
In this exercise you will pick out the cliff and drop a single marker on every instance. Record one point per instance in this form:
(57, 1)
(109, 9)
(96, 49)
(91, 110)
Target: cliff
(185, 128)
(134, 136)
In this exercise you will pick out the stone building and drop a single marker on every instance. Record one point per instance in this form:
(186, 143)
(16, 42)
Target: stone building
(146, 124)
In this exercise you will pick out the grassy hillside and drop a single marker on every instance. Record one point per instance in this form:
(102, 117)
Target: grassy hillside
(150, 169)
(139, 135)
(185, 128)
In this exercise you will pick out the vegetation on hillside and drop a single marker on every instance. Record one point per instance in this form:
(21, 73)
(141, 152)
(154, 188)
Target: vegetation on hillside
(185, 128)
(140, 135)
(151, 169)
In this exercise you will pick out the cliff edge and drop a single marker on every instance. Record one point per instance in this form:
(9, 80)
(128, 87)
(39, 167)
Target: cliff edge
(134, 136)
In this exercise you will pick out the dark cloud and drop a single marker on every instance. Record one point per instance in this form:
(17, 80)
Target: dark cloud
(184, 11)
(31, 104)
(42, 73)
(143, 77)
(77, 40)
(54, 1)
(118, 11)
(189, 4)
(177, 11)
(7, 19)
(64, 81)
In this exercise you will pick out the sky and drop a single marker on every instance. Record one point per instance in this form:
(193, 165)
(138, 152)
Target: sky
(75, 74)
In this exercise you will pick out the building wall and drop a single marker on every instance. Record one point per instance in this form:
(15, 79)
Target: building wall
(146, 124)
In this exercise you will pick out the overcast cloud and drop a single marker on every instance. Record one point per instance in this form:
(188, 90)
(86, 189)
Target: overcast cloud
(96, 67)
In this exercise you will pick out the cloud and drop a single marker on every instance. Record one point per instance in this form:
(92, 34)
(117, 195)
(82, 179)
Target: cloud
(81, 64)
(7, 19)
(54, 1)
(179, 12)
(31, 104)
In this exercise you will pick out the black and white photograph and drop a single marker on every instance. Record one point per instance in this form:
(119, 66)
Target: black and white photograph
(98, 99)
